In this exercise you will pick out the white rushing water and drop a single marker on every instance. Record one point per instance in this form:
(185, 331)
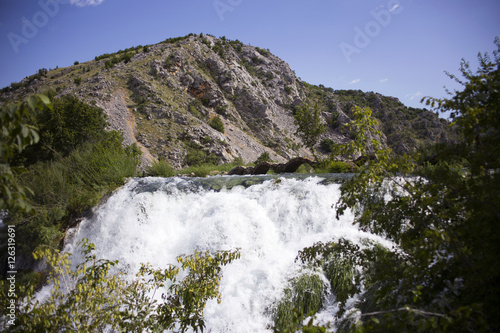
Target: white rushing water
(155, 220)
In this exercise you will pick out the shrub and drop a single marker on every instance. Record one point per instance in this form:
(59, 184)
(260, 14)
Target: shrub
(160, 168)
(256, 60)
(62, 128)
(194, 111)
(304, 297)
(93, 299)
(66, 187)
(195, 157)
(309, 125)
(14, 137)
(264, 157)
(205, 41)
(327, 145)
(238, 46)
(217, 124)
(219, 49)
(238, 161)
(134, 151)
(251, 69)
(222, 110)
(264, 52)
(126, 57)
(304, 168)
(75, 163)
(175, 39)
(201, 170)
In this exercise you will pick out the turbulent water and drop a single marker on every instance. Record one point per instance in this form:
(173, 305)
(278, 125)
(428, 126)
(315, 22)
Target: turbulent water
(157, 219)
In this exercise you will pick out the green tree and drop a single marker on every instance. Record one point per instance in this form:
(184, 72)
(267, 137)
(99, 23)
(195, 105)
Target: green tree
(15, 136)
(309, 126)
(365, 136)
(160, 168)
(217, 124)
(91, 298)
(75, 163)
(64, 126)
(442, 274)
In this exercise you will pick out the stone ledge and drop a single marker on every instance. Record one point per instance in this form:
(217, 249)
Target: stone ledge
(263, 167)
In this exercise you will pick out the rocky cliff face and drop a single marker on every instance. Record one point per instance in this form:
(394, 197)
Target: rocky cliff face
(165, 97)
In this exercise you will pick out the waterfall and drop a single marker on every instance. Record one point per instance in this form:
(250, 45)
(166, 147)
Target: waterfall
(157, 219)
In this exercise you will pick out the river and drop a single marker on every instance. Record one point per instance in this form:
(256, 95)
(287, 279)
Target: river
(269, 218)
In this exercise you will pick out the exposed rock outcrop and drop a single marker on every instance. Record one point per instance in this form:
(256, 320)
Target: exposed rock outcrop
(164, 96)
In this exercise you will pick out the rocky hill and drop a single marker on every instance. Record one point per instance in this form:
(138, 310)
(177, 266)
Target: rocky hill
(169, 98)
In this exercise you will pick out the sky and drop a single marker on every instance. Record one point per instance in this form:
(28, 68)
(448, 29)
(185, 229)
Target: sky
(398, 48)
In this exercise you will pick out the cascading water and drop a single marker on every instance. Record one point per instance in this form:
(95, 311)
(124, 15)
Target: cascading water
(157, 219)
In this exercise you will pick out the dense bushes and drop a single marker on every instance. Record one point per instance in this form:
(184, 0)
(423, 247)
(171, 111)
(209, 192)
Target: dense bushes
(217, 124)
(15, 136)
(73, 166)
(309, 125)
(62, 128)
(441, 273)
(160, 168)
(131, 50)
(304, 297)
(125, 57)
(64, 188)
(42, 72)
(91, 298)
(327, 145)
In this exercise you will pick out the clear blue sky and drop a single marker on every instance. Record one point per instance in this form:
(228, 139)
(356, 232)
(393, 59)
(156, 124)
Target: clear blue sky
(398, 48)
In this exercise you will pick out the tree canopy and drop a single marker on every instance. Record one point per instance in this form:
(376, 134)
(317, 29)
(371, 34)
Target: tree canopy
(15, 136)
(440, 208)
(309, 125)
(63, 127)
(93, 297)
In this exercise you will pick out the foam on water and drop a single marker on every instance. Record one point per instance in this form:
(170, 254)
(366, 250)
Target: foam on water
(155, 220)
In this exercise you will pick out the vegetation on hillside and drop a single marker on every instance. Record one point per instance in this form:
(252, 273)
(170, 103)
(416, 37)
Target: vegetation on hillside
(68, 170)
(403, 128)
(309, 125)
(186, 79)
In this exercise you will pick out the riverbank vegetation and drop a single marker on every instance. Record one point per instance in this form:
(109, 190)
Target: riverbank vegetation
(440, 209)
(94, 298)
(438, 206)
(72, 165)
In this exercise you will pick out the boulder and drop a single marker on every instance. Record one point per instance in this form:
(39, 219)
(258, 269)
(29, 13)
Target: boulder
(263, 167)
